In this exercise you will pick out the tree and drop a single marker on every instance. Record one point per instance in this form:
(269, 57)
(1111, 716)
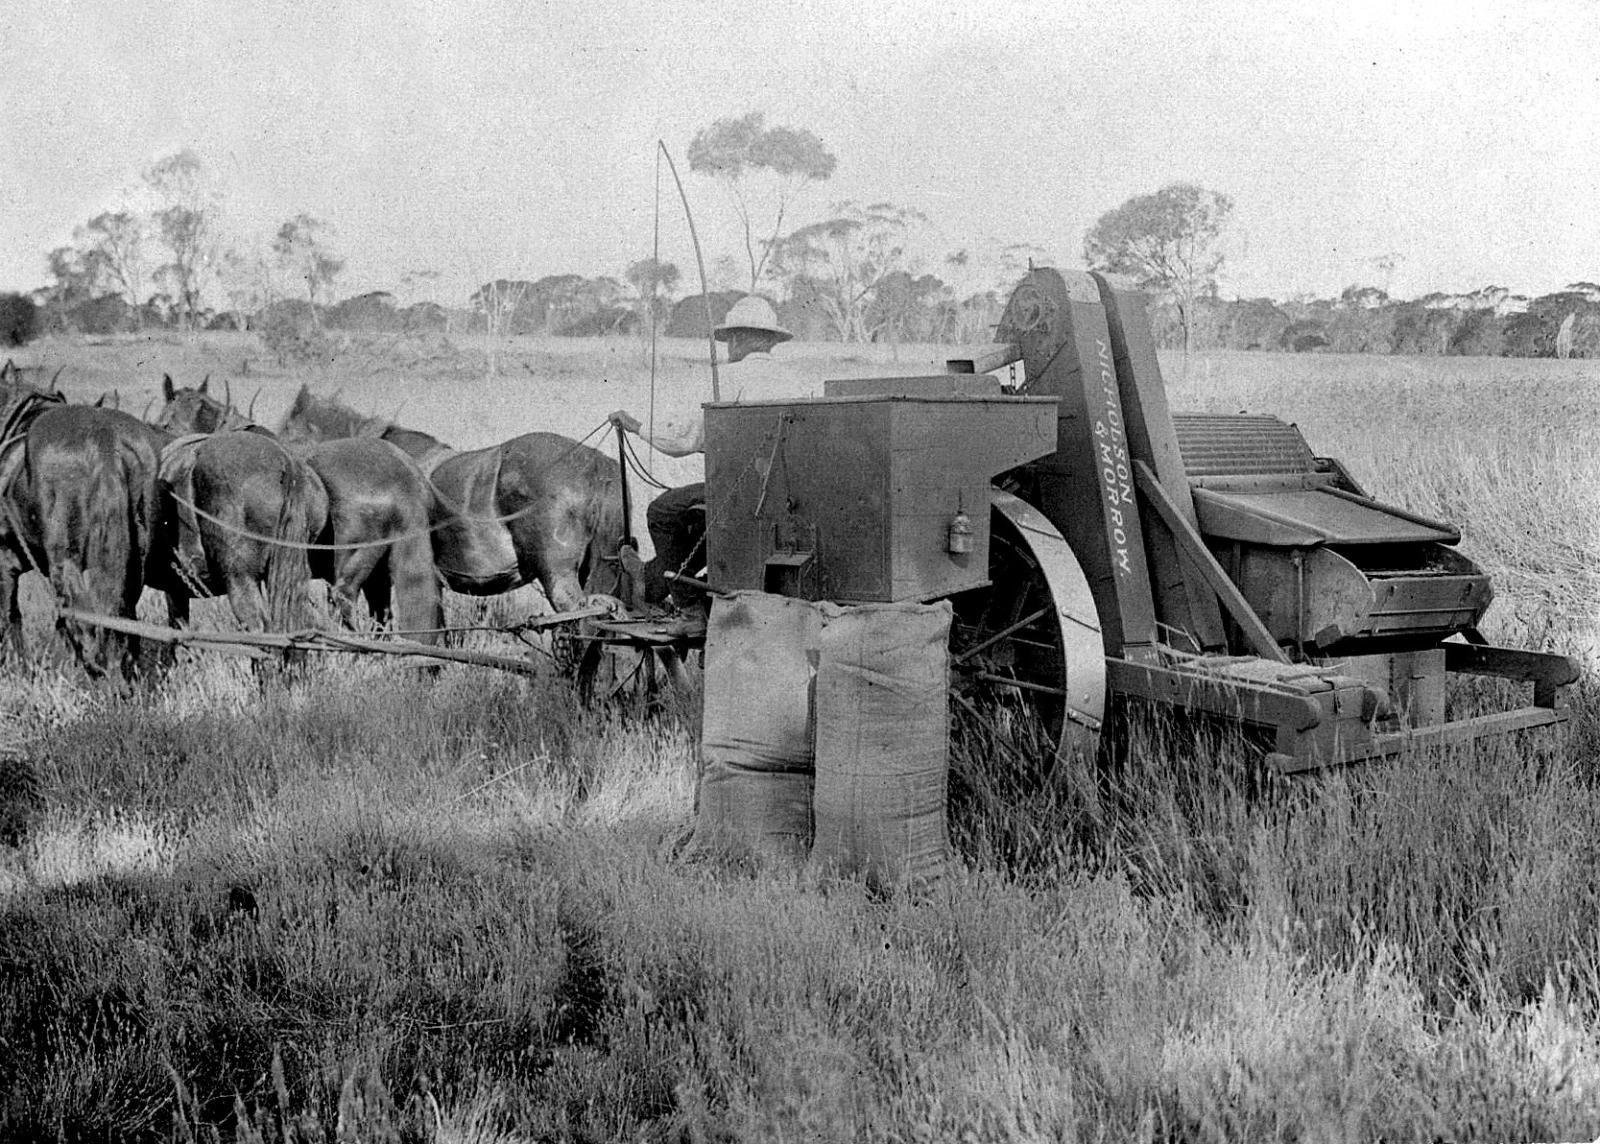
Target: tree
(499, 302)
(186, 225)
(650, 277)
(1420, 328)
(1362, 329)
(1166, 242)
(688, 318)
(1537, 332)
(654, 282)
(246, 279)
(601, 308)
(301, 248)
(743, 154)
(1253, 324)
(74, 278)
(841, 261)
(19, 320)
(1479, 333)
(424, 314)
(905, 307)
(373, 312)
(115, 242)
(555, 300)
(1363, 298)
(1564, 335)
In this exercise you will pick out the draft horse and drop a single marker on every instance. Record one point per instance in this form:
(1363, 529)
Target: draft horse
(539, 508)
(240, 515)
(376, 539)
(79, 503)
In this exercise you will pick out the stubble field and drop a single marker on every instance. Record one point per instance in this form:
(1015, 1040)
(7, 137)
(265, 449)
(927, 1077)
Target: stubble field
(374, 905)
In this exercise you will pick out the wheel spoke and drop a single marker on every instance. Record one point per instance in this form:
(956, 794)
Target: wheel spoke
(1013, 642)
(985, 644)
(1025, 685)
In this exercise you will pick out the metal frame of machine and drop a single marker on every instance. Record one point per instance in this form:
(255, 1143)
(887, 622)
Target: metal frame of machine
(1210, 563)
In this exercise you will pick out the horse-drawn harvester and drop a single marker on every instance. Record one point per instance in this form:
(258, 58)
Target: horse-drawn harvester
(1091, 542)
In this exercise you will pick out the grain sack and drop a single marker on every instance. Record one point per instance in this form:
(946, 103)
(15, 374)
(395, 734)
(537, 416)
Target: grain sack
(755, 743)
(883, 741)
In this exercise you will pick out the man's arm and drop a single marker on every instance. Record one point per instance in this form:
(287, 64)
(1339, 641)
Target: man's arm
(672, 440)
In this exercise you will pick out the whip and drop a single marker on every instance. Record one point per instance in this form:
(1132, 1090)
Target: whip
(700, 263)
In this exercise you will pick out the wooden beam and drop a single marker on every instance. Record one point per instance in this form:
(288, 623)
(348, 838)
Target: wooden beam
(1460, 732)
(1215, 693)
(1548, 673)
(1191, 545)
(299, 641)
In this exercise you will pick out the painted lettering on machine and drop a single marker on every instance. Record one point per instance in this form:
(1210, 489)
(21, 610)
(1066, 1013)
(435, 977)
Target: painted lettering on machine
(1116, 471)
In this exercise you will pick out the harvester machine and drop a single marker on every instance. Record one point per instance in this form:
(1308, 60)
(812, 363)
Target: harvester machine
(1235, 572)
(1093, 542)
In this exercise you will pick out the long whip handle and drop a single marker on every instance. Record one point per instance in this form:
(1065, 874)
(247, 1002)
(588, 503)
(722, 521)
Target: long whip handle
(705, 291)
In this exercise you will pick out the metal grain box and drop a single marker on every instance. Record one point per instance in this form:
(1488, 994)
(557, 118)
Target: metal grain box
(852, 498)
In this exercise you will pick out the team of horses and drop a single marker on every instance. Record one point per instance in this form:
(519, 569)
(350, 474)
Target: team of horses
(201, 501)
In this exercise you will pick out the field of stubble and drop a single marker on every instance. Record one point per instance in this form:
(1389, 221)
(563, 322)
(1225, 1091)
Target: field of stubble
(369, 905)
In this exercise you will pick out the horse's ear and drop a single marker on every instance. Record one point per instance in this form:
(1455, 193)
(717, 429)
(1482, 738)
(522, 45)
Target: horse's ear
(167, 392)
(100, 402)
(53, 386)
(251, 412)
(205, 383)
(227, 393)
(302, 400)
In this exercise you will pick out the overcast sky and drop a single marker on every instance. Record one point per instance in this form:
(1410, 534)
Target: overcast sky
(488, 138)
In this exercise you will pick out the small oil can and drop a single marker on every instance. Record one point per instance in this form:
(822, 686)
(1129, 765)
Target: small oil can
(959, 540)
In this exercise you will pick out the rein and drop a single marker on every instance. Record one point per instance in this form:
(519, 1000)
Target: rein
(191, 440)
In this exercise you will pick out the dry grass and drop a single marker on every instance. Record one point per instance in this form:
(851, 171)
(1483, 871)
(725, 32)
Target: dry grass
(367, 904)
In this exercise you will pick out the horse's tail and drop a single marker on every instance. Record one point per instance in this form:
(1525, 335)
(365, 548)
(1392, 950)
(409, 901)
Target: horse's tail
(413, 579)
(92, 550)
(141, 482)
(301, 515)
(600, 569)
(141, 467)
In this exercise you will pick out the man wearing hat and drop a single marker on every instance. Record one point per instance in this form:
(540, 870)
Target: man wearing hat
(677, 517)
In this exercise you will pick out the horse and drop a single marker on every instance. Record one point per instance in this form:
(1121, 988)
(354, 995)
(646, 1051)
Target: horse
(13, 375)
(20, 404)
(81, 506)
(539, 508)
(241, 514)
(376, 541)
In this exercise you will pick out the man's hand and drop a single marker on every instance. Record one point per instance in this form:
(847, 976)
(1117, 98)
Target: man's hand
(622, 419)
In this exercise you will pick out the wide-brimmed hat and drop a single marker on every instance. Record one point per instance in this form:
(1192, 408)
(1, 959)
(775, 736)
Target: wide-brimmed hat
(751, 313)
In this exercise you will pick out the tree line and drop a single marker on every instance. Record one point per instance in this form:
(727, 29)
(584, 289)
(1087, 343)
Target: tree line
(1486, 322)
(862, 272)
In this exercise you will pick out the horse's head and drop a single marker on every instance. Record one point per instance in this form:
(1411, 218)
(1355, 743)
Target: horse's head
(312, 418)
(20, 377)
(196, 410)
(20, 400)
(20, 403)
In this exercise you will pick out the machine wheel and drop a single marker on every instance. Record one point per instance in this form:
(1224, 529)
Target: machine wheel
(609, 671)
(1027, 663)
